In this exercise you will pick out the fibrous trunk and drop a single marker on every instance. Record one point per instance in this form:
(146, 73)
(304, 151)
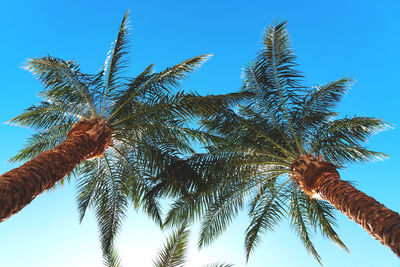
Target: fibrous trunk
(18, 187)
(319, 178)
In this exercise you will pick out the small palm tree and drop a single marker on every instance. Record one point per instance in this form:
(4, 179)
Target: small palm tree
(115, 133)
(280, 154)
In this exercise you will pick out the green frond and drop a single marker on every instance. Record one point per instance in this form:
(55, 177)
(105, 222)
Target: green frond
(255, 135)
(320, 216)
(152, 207)
(178, 179)
(266, 100)
(90, 181)
(115, 61)
(111, 203)
(139, 189)
(158, 85)
(112, 259)
(219, 265)
(273, 73)
(129, 97)
(188, 135)
(318, 103)
(265, 214)
(301, 225)
(63, 81)
(187, 208)
(274, 69)
(173, 252)
(42, 141)
(173, 75)
(262, 116)
(267, 137)
(142, 167)
(277, 60)
(220, 214)
(342, 140)
(324, 98)
(45, 115)
(180, 106)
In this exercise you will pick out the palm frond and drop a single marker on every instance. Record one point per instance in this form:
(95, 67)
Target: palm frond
(277, 62)
(320, 215)
(45, 115)
(219, 265)
(92, 176)
(219, 215)
(111, 204)
(341, 141)
(187, 208)
(301, 225)
(318, 103)
(275, 70)
(324, 98)
(127, 97)
(64, 82)
(173, 252)
(138, 187)
(265, 214)
(42, 141)
(112, 258)
(158, 85)
(115, 62)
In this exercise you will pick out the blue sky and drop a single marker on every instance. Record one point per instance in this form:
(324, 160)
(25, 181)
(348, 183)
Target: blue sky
(332, 39)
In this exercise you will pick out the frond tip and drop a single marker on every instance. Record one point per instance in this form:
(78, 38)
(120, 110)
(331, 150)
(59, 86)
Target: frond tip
(112, 258)
(173, 253)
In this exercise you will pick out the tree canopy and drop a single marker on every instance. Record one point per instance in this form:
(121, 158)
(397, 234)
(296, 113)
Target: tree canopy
(250, 165)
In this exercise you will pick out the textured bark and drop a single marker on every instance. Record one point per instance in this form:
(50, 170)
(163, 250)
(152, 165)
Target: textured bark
(316, 176)
(18, 187)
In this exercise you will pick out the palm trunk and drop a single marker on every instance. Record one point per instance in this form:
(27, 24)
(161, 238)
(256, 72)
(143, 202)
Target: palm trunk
(21, 185)
(317, 176)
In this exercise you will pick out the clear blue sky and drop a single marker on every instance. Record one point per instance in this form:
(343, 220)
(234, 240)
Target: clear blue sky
(332, 39)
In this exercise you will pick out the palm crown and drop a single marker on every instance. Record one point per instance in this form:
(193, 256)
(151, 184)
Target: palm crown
(252, 163)
(149, 119)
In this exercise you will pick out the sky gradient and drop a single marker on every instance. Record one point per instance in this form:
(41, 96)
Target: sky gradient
(332, 39)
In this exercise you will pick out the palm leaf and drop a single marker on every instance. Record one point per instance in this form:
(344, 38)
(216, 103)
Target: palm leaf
(115, 62)
(63, 80)
(112, 258)
(266, 213)
(158, 84)
(219, 214)
(42, 141)
(111, 204)
(173, 252)
(301, 224)
(341, 140)
(218, 265)
(320, 215)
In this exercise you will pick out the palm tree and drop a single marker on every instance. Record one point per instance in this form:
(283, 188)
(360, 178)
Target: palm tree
(280, 154)
(114, 133)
